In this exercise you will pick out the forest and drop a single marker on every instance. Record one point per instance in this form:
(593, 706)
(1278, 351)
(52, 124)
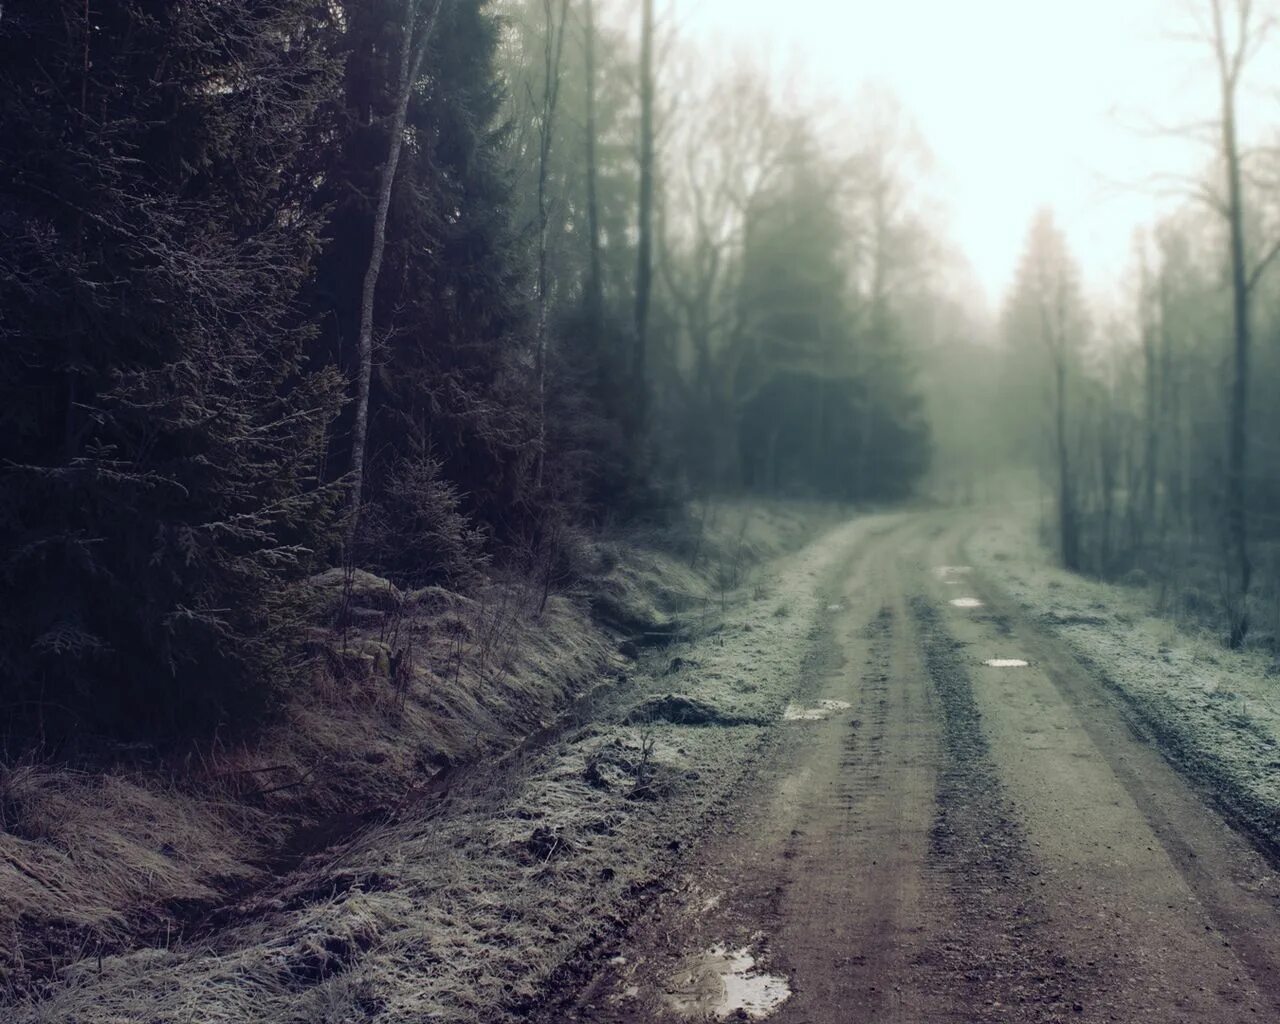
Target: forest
(408, 287)
(413, 287)
(377, 372)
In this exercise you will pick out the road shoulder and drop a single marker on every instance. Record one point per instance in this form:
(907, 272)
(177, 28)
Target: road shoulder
(1213, 713)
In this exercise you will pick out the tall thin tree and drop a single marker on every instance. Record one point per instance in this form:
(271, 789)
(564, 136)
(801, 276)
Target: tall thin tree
(552, 49)
(411, 57)
(595, 281)
(644, 249)
(1233, 46)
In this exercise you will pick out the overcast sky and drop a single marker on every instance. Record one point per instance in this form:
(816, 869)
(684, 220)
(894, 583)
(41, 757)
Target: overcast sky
(1024, 103)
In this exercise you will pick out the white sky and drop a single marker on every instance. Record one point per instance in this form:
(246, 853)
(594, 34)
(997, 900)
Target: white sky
(1023, 102)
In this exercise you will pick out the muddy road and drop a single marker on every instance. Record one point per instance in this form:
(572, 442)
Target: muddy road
(955, 823)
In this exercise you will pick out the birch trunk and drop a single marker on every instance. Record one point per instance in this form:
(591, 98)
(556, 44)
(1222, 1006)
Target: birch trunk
(410, 63)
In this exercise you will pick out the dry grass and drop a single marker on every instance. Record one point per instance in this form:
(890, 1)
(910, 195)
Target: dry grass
(451, 918)
(89, 861)
(99, 862)
(436, 913)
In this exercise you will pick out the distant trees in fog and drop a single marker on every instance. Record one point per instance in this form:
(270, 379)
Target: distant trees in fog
(1164, 425)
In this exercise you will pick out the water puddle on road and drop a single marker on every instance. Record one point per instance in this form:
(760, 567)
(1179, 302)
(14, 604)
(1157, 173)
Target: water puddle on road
(818, 712)
(723, 983)
(1006, 663)
(966, 602)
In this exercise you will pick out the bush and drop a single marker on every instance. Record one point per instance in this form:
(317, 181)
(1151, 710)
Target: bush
(415, 532)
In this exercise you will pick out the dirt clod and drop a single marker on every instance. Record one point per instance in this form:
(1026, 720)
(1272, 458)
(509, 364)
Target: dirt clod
(681, 709)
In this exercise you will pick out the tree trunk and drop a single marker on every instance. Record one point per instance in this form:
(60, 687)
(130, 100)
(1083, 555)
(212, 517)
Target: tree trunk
(1237, 433)
(1067, 535)
(1151, 408)
(1107, 474)
(553, 44)
(410, 63)
(595, 280)
(644, 268)
(1169, 418)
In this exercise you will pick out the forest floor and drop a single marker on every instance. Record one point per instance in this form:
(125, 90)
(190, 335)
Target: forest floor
(812, 799)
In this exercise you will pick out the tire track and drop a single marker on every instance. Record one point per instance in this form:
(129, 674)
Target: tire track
(997, 953)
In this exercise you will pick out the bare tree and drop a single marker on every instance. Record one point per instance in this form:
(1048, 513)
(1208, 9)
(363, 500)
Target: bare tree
(1150, 329)
(890, 159)
(1233, 46)
(1046, 304)
(728, 145)
(411, 56)
(595, 281)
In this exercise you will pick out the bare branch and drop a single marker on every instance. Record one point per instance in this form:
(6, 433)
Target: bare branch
(1261, 268)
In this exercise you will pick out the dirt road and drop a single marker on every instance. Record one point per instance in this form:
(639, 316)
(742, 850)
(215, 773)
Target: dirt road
(932, 838)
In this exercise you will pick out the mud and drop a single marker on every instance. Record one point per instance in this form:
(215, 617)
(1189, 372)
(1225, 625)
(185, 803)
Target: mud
(971, 839)
(722, 984)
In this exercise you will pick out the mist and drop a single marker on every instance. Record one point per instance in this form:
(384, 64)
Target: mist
(639, 511)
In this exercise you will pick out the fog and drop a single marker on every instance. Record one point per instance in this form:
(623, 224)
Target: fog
(1022, 104)
(639, 511)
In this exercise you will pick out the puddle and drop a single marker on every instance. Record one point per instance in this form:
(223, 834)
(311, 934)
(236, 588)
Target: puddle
(1006, 663)
(723, 983)
(967, 602)
(835, 607)
(822, 710)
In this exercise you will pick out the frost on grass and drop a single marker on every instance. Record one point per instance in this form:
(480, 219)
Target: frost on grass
(131, 857)
(681, 709)
(461, 911)
(1214, 711)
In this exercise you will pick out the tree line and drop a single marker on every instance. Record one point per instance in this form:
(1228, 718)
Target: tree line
(1160, 435)
(409, 285)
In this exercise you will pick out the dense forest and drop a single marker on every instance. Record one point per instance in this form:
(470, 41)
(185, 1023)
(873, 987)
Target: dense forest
(409, 285)
(425, 286)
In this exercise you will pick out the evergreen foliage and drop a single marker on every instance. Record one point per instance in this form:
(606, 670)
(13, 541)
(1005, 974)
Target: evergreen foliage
(161, 439)
(451, 341)
(188, 219)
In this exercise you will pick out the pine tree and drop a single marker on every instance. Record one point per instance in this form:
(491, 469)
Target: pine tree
(450, 394)
(826, 406)
(161, 442)
(1044, 325)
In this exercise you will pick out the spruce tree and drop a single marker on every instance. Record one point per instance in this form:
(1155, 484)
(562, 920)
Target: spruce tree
(161, 442)
(450, 408)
